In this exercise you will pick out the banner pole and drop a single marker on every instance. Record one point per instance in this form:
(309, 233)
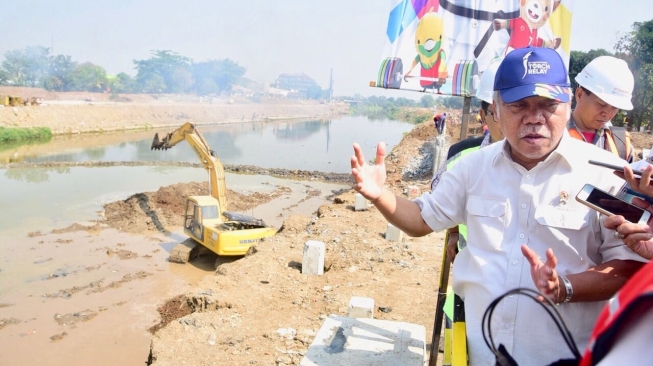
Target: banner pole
(467, 108)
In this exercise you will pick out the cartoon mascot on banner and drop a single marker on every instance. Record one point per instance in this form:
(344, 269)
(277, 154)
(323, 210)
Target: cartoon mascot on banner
(523, 30)
(430, 56)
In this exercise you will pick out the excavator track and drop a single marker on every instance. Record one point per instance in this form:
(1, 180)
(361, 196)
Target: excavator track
(182, 252)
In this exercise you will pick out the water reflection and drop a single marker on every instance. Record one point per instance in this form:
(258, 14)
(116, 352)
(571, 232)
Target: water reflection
(309, 145)
(34, 175)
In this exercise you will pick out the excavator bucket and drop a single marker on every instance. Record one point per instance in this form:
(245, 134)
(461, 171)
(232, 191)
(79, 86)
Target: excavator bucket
(158, 144)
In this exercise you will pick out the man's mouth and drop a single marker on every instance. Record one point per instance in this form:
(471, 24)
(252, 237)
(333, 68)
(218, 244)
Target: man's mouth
(533, 137)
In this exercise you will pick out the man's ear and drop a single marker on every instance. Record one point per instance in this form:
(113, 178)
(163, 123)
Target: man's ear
(495, 111)
(578, 93)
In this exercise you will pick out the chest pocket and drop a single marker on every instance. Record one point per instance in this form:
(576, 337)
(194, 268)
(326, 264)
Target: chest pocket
(486, 221)
(561, 219)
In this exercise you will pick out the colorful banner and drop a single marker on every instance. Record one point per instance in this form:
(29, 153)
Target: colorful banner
(442, 46)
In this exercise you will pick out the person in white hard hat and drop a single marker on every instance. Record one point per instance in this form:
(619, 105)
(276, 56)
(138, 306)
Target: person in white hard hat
(458, 234)
(605, 86)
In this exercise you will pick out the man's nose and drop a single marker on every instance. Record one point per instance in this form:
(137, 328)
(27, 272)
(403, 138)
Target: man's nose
(534, 115)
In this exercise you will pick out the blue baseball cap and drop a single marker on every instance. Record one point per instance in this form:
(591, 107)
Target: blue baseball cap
(532, 71)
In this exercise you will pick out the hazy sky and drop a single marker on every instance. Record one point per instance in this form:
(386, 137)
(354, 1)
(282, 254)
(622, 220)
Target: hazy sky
(268, 37)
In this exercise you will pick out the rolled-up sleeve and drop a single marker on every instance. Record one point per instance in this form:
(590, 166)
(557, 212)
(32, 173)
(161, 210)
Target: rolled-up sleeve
(445, 206)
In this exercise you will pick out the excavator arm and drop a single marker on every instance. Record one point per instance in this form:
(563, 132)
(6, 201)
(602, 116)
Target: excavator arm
(189, 133)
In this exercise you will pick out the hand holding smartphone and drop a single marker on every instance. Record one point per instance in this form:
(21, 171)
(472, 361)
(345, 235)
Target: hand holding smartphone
(610, 205)
(615, 167)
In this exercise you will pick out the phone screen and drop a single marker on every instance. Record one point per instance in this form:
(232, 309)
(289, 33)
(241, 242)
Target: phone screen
(615, 205)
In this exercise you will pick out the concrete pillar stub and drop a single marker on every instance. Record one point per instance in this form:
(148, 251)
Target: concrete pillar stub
(313, 259)
(361, 307)
(392, 233)
(361, 203)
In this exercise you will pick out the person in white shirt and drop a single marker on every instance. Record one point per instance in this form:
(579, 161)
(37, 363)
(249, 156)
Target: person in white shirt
(517, 199)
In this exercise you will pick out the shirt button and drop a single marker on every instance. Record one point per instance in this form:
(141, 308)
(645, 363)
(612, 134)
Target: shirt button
(521, 236)
(528, 177)
(523, 205)
(514, 263)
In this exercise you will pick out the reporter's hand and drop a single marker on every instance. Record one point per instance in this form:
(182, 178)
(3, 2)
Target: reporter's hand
(641, 184)
(369, 179)
(544, 275)
(639, 238)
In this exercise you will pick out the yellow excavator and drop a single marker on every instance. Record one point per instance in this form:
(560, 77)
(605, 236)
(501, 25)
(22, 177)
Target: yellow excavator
(207, 220)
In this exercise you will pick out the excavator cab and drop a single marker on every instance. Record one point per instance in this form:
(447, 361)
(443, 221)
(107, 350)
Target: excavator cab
(196, 213)
(233, 236)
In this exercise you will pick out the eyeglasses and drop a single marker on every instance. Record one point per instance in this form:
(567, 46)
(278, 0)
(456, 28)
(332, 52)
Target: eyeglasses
(489, 112)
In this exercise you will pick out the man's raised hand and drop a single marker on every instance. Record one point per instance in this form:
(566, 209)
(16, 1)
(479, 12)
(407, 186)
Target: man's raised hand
(369, 179)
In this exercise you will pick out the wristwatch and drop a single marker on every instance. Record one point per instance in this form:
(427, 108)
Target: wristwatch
(568, 289)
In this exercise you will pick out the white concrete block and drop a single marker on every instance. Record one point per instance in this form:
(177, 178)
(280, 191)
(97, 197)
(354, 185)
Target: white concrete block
(313, 259)
(361, 203)
(361, 307)
(350, 341)
(392, 233)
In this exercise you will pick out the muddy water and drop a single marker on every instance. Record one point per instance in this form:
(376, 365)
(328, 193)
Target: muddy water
(323, 146)
(88, 297)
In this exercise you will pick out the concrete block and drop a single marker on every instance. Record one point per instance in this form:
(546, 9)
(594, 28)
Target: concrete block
(361, 203)
(361, 307)
(414, 192)
(392, 233)
(313, 259)
(351, 341)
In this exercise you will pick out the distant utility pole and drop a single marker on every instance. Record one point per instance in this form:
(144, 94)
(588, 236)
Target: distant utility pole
(331, 86)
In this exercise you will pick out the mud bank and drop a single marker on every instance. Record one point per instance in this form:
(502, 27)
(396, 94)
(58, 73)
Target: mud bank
(86, 117)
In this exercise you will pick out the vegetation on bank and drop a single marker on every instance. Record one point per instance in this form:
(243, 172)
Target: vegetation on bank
(23, 135)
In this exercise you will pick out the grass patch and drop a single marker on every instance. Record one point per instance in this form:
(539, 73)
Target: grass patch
(24, 135)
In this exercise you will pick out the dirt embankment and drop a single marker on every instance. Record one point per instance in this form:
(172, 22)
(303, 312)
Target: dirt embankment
(91, 112)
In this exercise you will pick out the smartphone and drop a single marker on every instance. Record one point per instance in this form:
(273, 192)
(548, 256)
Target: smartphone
(610, 205)
(614, 167)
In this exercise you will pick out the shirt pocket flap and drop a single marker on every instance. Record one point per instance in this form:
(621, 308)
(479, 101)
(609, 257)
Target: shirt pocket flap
(562, 219)
(487, 207)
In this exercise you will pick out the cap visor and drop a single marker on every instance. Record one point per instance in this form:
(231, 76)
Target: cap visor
(555, 92)
(616, 101)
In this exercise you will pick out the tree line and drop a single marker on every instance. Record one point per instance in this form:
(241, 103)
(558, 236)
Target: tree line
(164, 72)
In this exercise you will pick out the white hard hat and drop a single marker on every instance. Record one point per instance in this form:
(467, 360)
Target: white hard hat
(610, 79)
(486, 87)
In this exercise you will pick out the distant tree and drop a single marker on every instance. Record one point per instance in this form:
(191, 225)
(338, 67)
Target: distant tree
(60, 73)
(27, 67)
(181, 81)
(427, 101)
(154, 85)
(205, 86)
(160, 70)
(452, 102)
(636, 48)
(223, 73)
(4, 77)
(578, 60)
(123, 83)
(89, 77)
